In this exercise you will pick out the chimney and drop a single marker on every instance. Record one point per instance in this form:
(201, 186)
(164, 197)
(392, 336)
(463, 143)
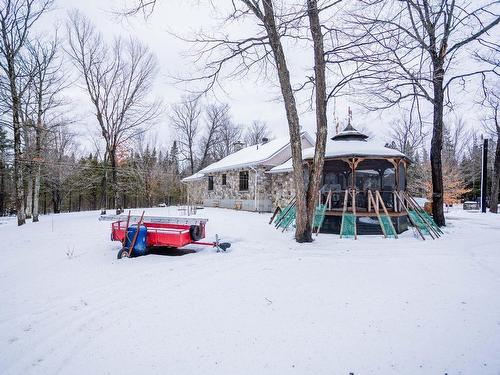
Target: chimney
(237, 146)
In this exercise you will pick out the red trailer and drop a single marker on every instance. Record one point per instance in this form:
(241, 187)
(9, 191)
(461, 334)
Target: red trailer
(171, 232)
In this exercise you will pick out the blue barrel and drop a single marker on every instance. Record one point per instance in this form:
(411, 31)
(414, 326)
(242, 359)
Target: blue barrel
(140, 243)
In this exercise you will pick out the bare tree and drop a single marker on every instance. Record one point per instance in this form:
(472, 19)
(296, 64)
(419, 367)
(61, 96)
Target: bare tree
(16, 20)
(257, 131)
(57, 161)
(492, 124)
(271, 38)
(4, 174)
(27, 126)
(455, 137)
(118, 80)
(47, 83)
(413, 47)
(223, 55)
(491, 91)
(184, 119)
(216, 118)
(229, 133)
(408, 135)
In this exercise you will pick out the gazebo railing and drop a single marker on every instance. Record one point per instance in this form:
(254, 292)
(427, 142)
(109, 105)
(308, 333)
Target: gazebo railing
(335, 200)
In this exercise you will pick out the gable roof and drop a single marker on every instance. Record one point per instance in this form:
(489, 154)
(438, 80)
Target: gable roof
(261, 154)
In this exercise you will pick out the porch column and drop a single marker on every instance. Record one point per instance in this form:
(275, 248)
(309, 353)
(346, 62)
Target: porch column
(395, 164)
(353, 172)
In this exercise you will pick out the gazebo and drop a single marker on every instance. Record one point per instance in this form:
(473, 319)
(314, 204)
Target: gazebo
(362, 179)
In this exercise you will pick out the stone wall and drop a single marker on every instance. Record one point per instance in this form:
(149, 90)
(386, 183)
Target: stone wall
(229, 195)
(282, 189)
(196, 191)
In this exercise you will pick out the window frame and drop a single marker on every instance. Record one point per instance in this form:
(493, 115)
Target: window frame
(241, 180)
(210, 183)
(224, 179)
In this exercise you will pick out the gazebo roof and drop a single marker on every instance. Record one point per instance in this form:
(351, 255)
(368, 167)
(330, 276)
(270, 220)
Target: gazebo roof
(352, 143)
(354, 148)
(350, 134)
(348, 143)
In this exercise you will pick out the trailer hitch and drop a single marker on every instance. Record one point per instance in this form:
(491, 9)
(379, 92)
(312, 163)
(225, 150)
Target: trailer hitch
(220, 246)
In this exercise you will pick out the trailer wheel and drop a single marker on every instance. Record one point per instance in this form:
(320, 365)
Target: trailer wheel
(195, 232)
(123, 253)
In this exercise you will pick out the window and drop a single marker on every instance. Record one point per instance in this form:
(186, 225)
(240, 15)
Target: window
(210, 182)
(224, 179)
(244, 180)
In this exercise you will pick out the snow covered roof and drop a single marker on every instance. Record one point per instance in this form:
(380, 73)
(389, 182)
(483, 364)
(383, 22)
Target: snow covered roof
(261, 154)
(282, 168)
(249, 156)
(344, 149)
(336, 149)
(194, 177)
(347, 143)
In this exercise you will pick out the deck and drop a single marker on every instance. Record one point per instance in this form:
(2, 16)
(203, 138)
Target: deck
(362, 212)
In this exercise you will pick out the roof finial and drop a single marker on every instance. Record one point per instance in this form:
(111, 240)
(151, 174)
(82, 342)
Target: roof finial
(349, 116)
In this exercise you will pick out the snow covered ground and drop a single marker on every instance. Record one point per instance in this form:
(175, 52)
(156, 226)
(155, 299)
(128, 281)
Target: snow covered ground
(269, 306)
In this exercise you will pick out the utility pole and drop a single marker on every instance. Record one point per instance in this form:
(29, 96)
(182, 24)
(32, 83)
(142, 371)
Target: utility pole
(484, 175)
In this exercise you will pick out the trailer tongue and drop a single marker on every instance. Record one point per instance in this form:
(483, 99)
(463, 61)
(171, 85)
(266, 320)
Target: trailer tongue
(158, 231)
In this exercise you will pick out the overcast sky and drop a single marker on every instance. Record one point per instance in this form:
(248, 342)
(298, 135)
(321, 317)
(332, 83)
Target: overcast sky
(250, 98)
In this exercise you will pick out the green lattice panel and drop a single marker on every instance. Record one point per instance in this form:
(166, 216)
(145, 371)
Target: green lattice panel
(386, 222)
(418, 222)
(319, 216)
(348, 225)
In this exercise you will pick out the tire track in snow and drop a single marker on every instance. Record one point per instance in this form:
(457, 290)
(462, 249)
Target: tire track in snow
(57, 340)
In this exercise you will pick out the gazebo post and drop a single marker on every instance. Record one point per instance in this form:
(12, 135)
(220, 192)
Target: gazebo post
(395, 164)
(353, 177)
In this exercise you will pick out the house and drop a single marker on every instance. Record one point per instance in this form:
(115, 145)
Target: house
(243, 180)
(363, 185)
(362, 179)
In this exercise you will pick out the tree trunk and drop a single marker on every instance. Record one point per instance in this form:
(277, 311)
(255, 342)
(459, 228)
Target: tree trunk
(2, 185)
(94, 200)
(117, 205)
(16, 126)
(56, 201)
(38, 155)
(36, 192)
(495, 183)
(436, 147)
(104, 190)
(316, 171)
(29, 194)
(301, 222)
